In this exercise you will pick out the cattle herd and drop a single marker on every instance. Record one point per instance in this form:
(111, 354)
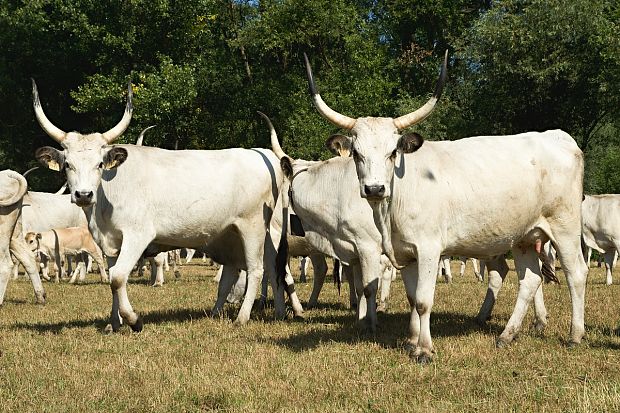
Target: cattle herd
(388, 200)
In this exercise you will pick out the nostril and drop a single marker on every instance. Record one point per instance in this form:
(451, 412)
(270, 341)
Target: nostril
(84, 194)
(381, 189)
(367, 190)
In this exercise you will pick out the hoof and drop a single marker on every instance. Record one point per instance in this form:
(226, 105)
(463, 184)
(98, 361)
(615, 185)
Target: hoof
(108, 329)
(299, 317)
(177, 274)
(138, 325)
(481, 321)
(311, 305)
(382, 308)
(539, 327)
(572, 344)
(424, 359)
(501, 343)
(157, 285)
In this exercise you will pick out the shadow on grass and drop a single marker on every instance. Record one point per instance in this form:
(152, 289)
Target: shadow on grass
(391, 331)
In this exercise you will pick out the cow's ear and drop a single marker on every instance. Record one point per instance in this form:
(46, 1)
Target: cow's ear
(410, 142)
(38, 235)
(287, 166)
(50, 157)
(339, 145)
(114, 157)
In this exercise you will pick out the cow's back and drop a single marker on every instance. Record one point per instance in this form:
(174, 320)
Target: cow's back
(42, 211)
(601, 220)
(186, 197)
(463, 193)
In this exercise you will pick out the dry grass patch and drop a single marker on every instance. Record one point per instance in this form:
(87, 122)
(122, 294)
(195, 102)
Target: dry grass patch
(55, 357)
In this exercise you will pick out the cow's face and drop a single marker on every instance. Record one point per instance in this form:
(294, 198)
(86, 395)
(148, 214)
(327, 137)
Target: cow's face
(84, 157)
(375, 142)
(32, 240)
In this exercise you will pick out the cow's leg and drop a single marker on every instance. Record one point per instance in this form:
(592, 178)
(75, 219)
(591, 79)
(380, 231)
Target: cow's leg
(74, 274)
(474, 263)
(236, 293)
(69, 260)
(319, 265)
(445, 269)
(268, 253)
(229, 276)
(218, 274)
(131, 250)
(568, 247)
(264, 290)
(588, 256)
(483, 265)
(176, 261)
(45, 266)
(347, 274)
(462, 265)
(166, 262)
(497, 269)
(370, 267)
(98, 257)
(15, 268)
(298, 310)
(386, 273)
(189, 255)
(609, 263)
(410, 280)
(362, 307)
(157, 269)
(20, 249)
(424, 298)
(303, 268)
(540, 311)
(530, 278)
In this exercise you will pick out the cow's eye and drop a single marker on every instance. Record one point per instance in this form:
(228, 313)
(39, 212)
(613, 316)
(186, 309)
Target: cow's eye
(393, 155)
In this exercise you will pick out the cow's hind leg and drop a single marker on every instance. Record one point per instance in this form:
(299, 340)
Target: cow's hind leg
(530, 278)
(497, 269)
(568, 247)
(229, 277)
(319, 265)
(609, 263)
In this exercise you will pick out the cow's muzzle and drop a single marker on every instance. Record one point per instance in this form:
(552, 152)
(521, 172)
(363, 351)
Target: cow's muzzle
(374, 191)
(83, 198)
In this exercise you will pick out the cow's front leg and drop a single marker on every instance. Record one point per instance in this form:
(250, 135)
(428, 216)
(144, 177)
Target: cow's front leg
(131, 250)
(20, 249)
(370, 266)
(424, 297)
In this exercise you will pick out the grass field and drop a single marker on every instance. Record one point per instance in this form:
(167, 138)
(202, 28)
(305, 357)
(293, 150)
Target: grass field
(55, 358)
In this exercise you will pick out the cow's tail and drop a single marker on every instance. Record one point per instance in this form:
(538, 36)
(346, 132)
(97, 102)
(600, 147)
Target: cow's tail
(337, 280)
(282, 254)
(548, 269)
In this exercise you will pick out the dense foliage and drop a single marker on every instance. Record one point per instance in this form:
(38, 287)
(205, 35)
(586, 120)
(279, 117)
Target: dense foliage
(201, 68)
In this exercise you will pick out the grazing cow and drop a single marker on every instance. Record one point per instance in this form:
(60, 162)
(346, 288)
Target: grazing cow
(225, 206)
(422, 206)
(13, 186)
(339, 224)
(601, 228)
(57, 243)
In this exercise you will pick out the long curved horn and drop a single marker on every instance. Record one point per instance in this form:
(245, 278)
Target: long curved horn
(141, 136)
(49, 128)
(62, 189)
(418, 115)
(113, 134)
(328, 113)
(9, 194)
(275, 145)
(29, 170)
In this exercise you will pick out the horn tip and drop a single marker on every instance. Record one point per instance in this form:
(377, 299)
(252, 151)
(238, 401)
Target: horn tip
(311, 83)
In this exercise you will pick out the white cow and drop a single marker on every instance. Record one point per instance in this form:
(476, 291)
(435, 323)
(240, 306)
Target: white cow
(226, 206)
(601, 227)
(55, 244)
(337, 223)
(422, 205)
(13, 186)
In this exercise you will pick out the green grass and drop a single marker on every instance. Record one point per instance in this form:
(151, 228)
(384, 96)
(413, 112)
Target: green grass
(55, 358)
